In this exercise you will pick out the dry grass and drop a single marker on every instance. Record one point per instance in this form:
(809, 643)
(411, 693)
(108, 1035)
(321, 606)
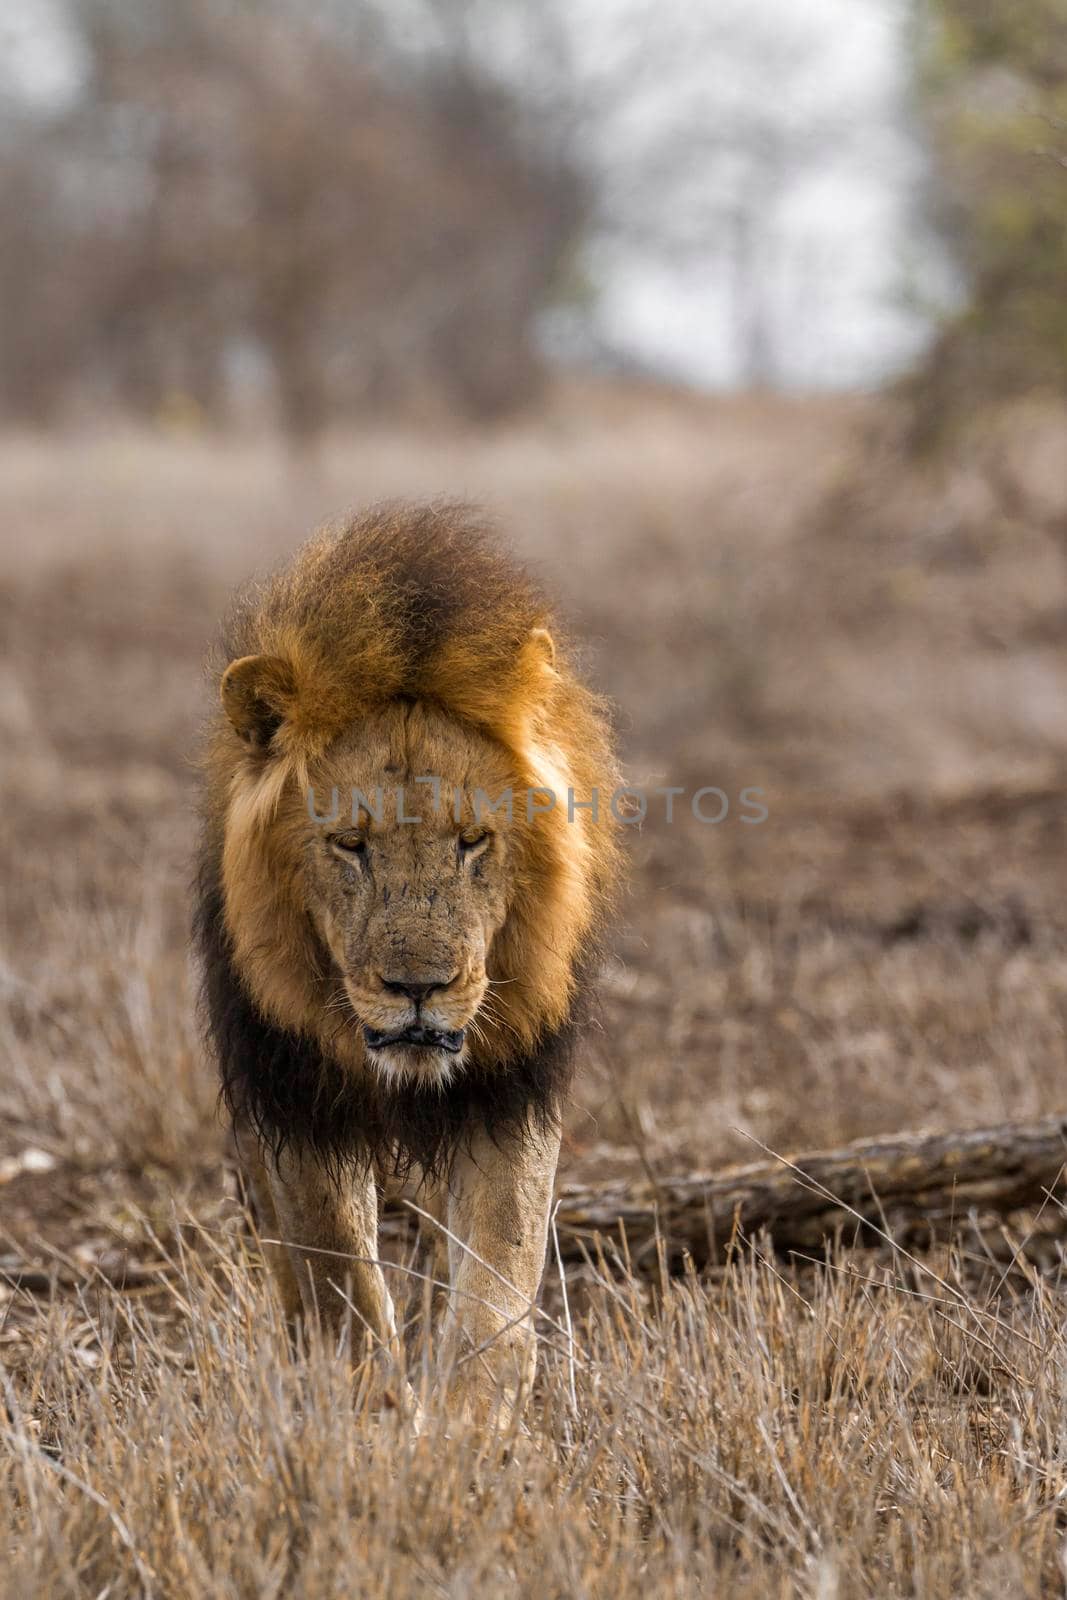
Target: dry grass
(850, 1440)
(885, 952)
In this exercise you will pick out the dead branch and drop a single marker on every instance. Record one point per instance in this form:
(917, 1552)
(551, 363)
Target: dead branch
(929, 1181)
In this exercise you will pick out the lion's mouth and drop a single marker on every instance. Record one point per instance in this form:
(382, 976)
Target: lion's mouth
(417, 1037)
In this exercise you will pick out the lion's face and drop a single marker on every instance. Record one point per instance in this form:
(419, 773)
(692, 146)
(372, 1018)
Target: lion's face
(409, 886)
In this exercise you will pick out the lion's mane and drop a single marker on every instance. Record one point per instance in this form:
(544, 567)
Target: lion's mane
(415, 603)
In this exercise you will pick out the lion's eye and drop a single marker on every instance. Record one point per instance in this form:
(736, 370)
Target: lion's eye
(473, 841)
(350, 844)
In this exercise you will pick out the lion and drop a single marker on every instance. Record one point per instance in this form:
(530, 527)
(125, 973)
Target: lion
(409, 860)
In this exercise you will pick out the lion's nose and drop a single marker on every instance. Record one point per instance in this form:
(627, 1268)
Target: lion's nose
(417, 989)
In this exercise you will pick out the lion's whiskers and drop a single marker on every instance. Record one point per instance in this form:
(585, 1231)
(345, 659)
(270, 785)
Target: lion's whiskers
(494, 1016)
(475, 1028)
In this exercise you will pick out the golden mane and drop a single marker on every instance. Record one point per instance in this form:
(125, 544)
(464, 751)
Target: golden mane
(414, 602)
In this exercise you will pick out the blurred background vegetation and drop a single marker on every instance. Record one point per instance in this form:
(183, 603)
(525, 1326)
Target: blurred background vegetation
(217, 210)
(993, 86)
(241, 197)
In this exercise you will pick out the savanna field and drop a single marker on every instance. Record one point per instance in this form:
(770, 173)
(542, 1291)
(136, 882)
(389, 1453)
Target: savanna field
(774, 597)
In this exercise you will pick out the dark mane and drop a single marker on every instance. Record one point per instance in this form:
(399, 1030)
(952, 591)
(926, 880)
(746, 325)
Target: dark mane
(292, 1094)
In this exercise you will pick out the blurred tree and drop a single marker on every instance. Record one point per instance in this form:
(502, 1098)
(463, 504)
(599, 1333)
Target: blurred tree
(724, 117)
(372, 204)
(994, 83)
(242, 182)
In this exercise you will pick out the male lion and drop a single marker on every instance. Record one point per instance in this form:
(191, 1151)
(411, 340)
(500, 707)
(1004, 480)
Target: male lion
(396, 956)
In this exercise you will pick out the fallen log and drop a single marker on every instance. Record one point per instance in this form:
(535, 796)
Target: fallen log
(872, 1187)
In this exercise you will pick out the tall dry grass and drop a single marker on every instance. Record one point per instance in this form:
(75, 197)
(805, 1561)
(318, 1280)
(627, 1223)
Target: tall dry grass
(840, 1436)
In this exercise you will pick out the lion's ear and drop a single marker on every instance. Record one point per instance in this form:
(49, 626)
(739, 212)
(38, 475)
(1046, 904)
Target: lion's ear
(536, 681)
(257, 695)
(541, 644)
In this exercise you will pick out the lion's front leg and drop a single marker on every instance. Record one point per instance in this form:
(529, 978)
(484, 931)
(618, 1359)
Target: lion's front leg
(330, 1234)
(498, 1214)
(259, 1199)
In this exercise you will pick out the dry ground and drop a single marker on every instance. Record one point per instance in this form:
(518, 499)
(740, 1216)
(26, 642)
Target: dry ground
(882, 651)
